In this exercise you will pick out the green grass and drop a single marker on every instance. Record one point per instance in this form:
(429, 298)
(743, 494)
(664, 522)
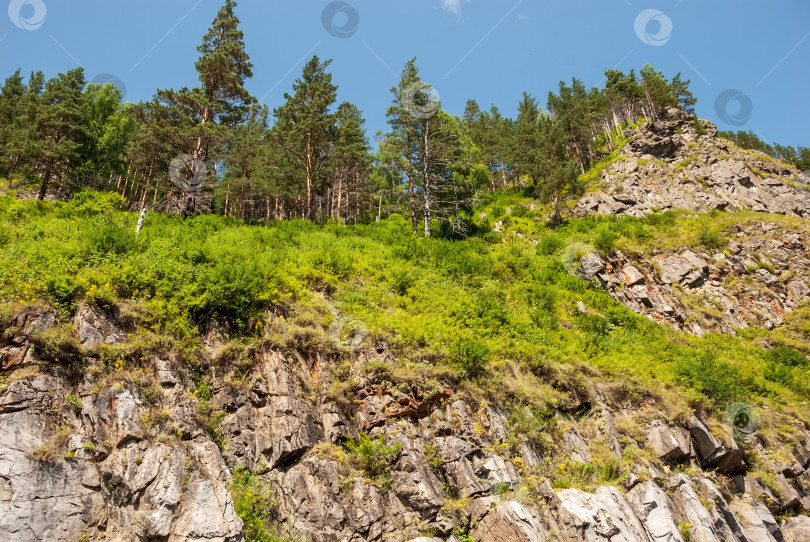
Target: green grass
(495, 315)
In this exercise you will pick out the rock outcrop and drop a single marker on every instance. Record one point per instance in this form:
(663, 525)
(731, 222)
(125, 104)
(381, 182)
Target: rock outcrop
(667, 164)
(145, 454)
(755, 282)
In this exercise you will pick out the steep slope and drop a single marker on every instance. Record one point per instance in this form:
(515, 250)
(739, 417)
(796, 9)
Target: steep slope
(745, 270)
(669, 164)
(134, 456)
(216, 381)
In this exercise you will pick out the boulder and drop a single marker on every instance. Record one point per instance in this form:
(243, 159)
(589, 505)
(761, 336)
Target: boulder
(669, 443)
(596, 517)
(630, 276)
(796, 529)
(509, 521)
(654, 508)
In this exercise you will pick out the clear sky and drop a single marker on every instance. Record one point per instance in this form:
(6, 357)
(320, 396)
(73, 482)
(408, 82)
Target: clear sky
(484, 49)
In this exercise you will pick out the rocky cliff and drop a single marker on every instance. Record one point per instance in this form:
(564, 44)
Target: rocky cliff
(139, 448)
(759, 274)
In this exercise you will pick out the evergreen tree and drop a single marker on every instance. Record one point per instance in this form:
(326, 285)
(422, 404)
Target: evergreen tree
(305, 126)
(350, 163)
(490, 132)
(657, 90)
(526, 150)
(13, 132)
(402, 138)
(60, 127)
(199, 118)
(680, 90)
(571, 109)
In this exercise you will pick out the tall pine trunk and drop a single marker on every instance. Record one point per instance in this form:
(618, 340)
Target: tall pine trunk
(426, 177)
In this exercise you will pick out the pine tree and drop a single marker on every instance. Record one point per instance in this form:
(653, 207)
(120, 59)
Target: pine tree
(60, 125)
(305, 126)
(684, 97)
(657, 90)
(560, 176)
(490, 132)
(526, 150)
(199, 118)
(350, 162)
(12, 129)
(571, 109)
(403, 137)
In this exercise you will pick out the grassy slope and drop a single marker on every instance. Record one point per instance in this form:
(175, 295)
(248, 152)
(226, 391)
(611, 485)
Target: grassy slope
(445, 306)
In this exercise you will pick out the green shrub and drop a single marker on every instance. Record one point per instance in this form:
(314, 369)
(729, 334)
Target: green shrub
(789, 368)
(605, 240)
(714, 378)
(92, 203)
(520, 211)
(373, 454)
(109, 234)
(254, 502)
(711, 239)
(471, 355)
(699, 128)
(551, 244)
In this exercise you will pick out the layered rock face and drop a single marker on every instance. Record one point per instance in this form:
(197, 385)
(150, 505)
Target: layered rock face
(756, 281)
(759, 277)
(667, 165)
(128, 456)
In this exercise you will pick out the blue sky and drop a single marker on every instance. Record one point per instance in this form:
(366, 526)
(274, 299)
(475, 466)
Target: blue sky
(484, 49)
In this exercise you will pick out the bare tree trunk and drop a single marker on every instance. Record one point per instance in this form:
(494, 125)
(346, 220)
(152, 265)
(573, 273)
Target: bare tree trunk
(146, 189)
(339, 198)
(426, 177)
(43, 187)
(309, 168)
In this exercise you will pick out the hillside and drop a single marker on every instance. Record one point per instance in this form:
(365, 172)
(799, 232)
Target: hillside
(214, 379)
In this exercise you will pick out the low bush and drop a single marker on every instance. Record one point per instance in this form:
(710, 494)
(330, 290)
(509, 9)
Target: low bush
(254, 502)
(373, 455)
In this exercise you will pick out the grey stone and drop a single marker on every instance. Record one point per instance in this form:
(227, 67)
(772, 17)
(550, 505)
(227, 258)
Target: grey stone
(654, 508)
(509, 521)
